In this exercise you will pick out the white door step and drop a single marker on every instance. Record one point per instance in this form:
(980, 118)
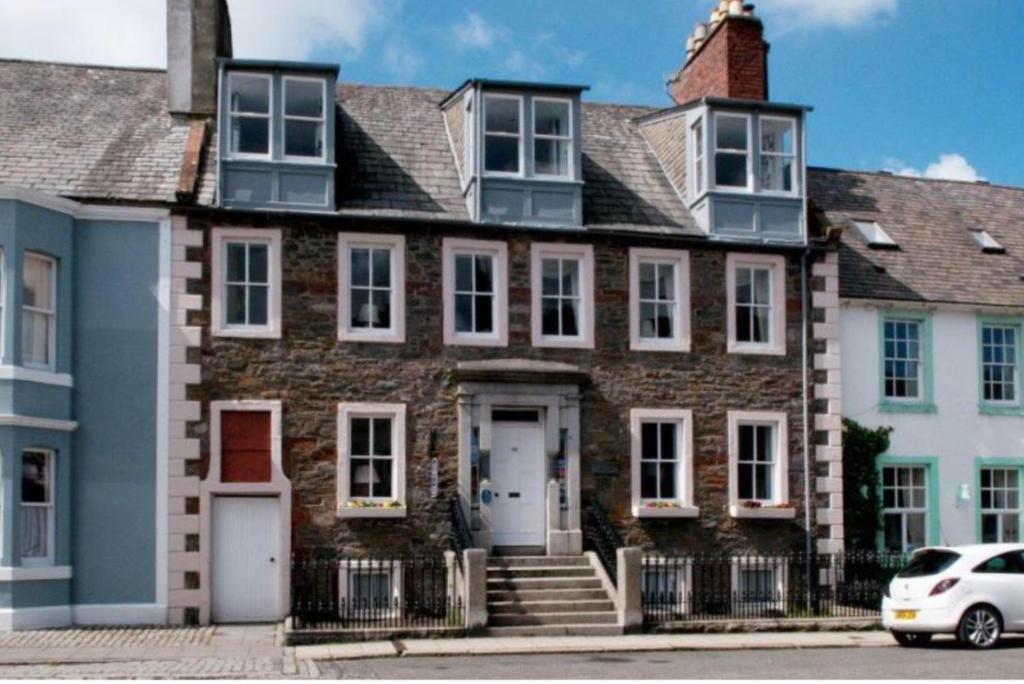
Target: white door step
(525, 595)
(541, 607)
(511, 620)
(535, 561)
(540, 571)
(525, 583)
(554, 630)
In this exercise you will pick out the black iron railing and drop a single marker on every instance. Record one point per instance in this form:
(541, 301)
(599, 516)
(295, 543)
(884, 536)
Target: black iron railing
(704, 587)
(602, 538)
(374, 593)
(461, 535)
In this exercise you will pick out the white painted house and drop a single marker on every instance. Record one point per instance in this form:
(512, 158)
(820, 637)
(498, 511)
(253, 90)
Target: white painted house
(932, 307)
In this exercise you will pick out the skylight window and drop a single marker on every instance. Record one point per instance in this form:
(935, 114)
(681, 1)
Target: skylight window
(874, 234)
(986, 241)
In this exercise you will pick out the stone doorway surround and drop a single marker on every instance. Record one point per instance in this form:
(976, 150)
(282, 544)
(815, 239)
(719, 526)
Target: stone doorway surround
(554, 389)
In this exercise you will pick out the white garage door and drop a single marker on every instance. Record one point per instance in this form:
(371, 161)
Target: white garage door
(244, 586)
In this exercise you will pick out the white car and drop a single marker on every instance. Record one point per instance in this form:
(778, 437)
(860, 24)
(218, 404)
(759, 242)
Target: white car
(975, 592)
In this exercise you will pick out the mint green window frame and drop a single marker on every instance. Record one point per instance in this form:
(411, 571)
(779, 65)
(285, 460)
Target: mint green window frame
(1000, 408)
(932, 523)
(925, 401)
(1008, 463)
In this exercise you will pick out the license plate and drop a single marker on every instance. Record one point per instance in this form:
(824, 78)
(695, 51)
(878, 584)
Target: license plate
(906, 614)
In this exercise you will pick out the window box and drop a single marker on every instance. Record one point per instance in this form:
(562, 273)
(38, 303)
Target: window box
(475, 291)
(661, 463)
(371, 460)
(659, 300)
(562, 285)
(756, 304)
(762, 513)
(246, 283)
(371, 288)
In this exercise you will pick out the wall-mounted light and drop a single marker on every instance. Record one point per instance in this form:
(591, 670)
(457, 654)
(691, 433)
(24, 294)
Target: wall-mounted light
(963, 493)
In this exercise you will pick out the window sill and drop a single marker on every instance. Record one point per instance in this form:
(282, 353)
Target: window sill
(32, 573)
(459, 341)
(671, 346)
(562, 343)
(241, 333)
(997, 410)
(755, 349)
(666, 513)
(908, 407)
(351, 512)
(764, 513)
(370, 338)
(42, 376)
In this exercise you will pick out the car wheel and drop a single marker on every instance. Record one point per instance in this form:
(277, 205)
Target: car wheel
(911, 639)
(980, 627)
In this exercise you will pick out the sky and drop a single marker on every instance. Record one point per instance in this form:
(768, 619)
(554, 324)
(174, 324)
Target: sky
(921, 87)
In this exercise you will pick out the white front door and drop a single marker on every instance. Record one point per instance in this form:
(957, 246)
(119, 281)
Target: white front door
(243, 555)
(517, 484)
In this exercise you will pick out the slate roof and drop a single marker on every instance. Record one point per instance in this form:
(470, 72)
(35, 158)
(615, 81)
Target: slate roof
(88, 132)
(930, 220)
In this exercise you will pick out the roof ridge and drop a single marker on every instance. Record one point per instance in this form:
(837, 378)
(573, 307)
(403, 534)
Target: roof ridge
(890, 174)
(111, 67)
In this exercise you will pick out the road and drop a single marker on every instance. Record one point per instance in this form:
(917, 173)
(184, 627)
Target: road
(943, 660)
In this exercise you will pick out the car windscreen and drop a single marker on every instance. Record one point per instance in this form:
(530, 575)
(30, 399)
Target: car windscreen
(930, 562)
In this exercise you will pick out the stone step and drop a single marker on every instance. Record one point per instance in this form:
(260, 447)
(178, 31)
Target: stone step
(512, 620)
(533, 583)
(534, 561)
(500, 595)
(543, 607)
(554, 630)
(541, 571)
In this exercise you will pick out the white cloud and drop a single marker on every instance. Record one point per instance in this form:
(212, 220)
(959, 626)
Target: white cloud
(949, 166)
(475, 32)
(788, 15)
(113, 32)
(133, 33)
(402, 60)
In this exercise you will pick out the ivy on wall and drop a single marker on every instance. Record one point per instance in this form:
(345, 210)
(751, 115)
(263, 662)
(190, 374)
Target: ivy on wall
(861, 500)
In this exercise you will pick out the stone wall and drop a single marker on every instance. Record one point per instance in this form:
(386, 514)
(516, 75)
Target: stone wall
(310, 372)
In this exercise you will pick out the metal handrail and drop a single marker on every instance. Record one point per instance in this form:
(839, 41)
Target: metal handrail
(601, 537)
(462, 535)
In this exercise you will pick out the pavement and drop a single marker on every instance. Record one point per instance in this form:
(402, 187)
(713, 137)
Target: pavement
(257, 652)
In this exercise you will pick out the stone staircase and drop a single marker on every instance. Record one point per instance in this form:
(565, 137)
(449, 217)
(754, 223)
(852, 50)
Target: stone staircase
(547, 596)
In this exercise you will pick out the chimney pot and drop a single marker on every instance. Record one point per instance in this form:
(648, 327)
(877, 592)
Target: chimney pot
(700, 31)
(736, 8)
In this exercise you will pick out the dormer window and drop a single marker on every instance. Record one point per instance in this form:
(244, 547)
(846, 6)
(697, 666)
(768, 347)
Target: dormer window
(519, 161)
(777, 155)
(502, 135)
(732, 151)
(552, 137)
(986, 242)
(874, 235)
(249, 100)
(276, 135)
(303, 118)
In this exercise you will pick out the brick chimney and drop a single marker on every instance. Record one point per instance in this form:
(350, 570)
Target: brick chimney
(198, 31)
(726, 57)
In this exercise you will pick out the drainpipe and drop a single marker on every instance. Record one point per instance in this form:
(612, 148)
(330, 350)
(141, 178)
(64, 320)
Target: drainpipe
(804, 367)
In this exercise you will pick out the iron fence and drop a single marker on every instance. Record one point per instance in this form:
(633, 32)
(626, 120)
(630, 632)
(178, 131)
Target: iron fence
(702, 587)
(374, 593)
(601, 537)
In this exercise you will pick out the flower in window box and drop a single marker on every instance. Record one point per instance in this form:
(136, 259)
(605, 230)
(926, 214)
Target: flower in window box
(784, 504)
(662, 504)
(752, 504)
(363, 503)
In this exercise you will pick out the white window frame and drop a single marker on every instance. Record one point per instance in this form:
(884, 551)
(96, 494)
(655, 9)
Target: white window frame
(568, 138)
(521, 137)
(584, 254)
(396, 246)
(998, 512)
(781, 580)
(699, 169)
(684, 579)
(450, 248)
(748, 188)
(285, 117)
(684, 504)
(776, 344)
(397, 414)
(50, 313)
(680, 341)
(902, 511)
(231, 153)
(794, 175)
(218, 289)
(780, 473)
(873, 233)
(50, 505)
(351, 566)
(921, 359)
